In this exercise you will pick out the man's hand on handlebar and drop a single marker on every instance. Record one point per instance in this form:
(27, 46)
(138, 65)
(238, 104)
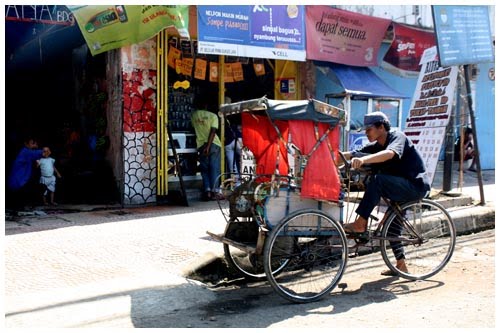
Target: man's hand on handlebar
(357, 162)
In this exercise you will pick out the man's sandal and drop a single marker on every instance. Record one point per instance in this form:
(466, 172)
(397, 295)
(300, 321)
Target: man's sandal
(348, 228)
(391, 273)
(388, 273)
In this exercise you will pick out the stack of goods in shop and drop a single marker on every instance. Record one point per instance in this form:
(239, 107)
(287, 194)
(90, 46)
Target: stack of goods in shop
(180, 107)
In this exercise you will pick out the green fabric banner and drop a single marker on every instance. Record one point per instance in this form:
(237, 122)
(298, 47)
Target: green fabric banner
(109, 27)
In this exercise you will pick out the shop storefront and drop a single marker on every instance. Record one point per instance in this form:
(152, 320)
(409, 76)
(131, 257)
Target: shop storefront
(190, 75)
(131, 96)
(232, 57)
(359, 91)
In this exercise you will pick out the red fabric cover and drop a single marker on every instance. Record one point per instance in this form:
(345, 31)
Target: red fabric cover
(321, 179)
(261, 138)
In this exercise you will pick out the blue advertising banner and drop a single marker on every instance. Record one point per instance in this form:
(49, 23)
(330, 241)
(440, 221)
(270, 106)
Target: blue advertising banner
(274, 32)
(463, 34)
(357, 140)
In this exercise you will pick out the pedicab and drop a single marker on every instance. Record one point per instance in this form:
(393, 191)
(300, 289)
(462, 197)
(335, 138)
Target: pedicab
(283, 220)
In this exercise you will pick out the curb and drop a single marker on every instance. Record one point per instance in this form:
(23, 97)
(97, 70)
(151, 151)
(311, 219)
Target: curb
(470, 219)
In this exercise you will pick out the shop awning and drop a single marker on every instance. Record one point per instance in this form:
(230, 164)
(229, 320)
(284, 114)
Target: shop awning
(358, 81)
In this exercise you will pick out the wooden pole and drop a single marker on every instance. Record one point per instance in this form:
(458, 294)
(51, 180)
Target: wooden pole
(474, 135)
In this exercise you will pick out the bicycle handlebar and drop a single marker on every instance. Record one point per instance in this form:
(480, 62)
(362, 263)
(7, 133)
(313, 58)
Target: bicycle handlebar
(365, 169)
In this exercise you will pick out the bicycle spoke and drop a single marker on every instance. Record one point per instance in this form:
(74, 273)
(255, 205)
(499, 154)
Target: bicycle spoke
(433, 233)
(316, 249)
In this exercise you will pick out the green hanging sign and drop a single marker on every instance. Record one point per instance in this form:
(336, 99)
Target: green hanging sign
(109, 27)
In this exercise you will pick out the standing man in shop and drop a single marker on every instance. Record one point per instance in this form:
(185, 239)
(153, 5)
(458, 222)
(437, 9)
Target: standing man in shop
(206, 124)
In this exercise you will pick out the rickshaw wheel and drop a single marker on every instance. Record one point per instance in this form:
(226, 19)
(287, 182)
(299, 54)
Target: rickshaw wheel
(249, 265)
(243, 263)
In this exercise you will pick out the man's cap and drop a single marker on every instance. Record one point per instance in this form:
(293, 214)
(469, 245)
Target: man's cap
(375, 117)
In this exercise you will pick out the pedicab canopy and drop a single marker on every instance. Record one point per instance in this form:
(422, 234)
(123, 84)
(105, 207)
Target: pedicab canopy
(309, 124)
(311, 109)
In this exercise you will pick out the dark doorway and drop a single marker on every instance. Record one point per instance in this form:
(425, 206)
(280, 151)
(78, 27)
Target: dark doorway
(56, 92)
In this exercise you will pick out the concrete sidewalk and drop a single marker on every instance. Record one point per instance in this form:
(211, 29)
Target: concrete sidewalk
(106, 266)
(41, 218)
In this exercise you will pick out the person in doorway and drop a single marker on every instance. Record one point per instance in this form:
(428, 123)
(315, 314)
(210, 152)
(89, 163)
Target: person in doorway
(48, 173)
(469, 152)
(19, 181)
(208, 143)
(399, 174)
(233, 143)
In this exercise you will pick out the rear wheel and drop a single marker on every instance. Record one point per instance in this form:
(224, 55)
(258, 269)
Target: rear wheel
(248, 265)
(425, 239)
(315, 247)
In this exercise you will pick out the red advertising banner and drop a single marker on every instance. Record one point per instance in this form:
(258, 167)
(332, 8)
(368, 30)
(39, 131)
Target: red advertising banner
(408, 45)
(343, 37)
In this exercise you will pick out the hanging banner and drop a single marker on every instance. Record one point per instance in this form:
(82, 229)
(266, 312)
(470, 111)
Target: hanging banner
(431, 108)
(259, 68)
(187, 66)
(109, 27)
(271, 32)
(343, 37)
(407, 47)
(173, 55)
(228, 73)
(214, 71)
(237, 71)
(200, 69)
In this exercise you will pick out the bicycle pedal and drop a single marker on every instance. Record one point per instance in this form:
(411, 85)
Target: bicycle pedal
(359, 237)
(361, 240)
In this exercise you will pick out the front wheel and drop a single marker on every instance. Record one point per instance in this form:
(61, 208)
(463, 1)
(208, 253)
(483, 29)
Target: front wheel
(424, 236)
(315, 248)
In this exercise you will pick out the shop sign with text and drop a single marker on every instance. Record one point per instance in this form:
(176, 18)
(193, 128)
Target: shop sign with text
(109, 27)
(343, 37)
(260, 31)
(44, 14)
(407, 47)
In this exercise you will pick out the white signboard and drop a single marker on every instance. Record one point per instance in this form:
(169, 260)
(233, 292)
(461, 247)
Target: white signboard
(430, 110)
(248, 163)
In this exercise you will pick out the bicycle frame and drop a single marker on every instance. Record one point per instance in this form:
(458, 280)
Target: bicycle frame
(395, 208)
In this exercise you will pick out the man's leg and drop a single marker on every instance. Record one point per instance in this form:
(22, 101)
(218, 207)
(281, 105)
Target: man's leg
(214, 167)
(204, 167)
(402, 191)
(230, 157)
(387, 186)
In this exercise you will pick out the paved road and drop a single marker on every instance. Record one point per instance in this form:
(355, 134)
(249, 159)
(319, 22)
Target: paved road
(76, 274)
(119, 282)
(117, 269)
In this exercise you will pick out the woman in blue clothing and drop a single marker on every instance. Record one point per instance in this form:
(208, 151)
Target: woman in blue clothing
(22, 170)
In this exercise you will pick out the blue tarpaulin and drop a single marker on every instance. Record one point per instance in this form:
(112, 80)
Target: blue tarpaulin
(358, 81)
